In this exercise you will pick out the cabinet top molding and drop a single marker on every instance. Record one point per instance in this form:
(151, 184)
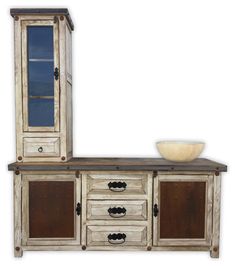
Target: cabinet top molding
(43, 11)
(127, 164)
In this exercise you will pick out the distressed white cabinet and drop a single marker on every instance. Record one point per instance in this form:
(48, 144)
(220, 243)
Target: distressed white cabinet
(66, 203)
(43, 84)
(72, 206)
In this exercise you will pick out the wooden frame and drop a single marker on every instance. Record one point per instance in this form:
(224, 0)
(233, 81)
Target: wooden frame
(41, 176)
(24, 24)
(178, 177)
(110, 248)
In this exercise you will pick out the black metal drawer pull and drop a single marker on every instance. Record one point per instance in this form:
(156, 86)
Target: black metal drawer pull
(117, 186)
(56, 73)
(118, 238)
(117, 212)
(155, 210)
(40, 149)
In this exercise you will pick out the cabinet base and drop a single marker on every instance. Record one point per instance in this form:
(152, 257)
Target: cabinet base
(213, 253)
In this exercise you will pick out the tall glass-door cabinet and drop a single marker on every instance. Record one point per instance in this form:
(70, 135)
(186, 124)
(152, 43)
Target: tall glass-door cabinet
(43, 84)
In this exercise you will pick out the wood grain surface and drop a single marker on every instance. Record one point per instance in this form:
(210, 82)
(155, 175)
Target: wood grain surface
(141, 164)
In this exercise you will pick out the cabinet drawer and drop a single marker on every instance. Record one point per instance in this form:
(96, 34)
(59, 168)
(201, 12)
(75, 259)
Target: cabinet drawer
(116, 186)
(41, 147)
(116, 235)
(116, 210)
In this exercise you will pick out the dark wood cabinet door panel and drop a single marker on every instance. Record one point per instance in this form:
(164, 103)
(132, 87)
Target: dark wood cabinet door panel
(182, 209)
(51, 209)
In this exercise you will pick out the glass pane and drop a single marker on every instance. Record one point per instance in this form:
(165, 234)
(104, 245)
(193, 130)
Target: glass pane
(40, 42)
(41, 78)
(41, 112)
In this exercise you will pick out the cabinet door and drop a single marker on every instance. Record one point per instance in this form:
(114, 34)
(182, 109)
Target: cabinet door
(51, 209)
(182, 210)
(40, 74)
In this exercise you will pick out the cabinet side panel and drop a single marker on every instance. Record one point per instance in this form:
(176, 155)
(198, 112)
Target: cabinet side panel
(68, 54)
(69, 121)
(182, 209)
(51, 209)
(69, 91)
(18, 89)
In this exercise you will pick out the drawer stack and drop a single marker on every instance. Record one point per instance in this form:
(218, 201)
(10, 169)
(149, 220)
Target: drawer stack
(116, 209)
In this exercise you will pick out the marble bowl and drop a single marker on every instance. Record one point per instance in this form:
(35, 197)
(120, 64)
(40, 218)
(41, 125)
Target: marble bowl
(180, 151)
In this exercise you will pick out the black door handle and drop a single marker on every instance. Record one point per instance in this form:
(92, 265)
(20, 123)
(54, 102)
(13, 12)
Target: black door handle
(155, 210)
(78, 209)
(56, 73)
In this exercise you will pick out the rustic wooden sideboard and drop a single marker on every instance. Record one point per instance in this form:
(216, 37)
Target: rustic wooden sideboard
(117, 204)
(66, 203)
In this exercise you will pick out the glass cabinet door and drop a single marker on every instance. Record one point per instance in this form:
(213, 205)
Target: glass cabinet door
(40, 75)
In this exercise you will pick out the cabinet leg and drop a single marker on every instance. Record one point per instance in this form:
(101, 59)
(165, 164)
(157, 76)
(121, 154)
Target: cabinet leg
(216, 217)
(18, 252)
(214, 253)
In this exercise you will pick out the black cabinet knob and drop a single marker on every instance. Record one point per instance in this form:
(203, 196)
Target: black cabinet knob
(40, 149)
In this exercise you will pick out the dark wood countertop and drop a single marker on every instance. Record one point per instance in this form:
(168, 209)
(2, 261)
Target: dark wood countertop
(127, 164)
(43, 11)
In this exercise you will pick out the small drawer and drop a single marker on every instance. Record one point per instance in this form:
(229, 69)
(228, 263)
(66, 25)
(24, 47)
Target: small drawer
(116, 235)
(116, 210)
(120, 186)
(41, 147)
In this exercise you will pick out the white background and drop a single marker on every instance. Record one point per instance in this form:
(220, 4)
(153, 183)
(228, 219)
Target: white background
(143, 71)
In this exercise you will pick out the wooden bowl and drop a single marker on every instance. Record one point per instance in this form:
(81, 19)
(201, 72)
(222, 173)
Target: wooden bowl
(180, 151)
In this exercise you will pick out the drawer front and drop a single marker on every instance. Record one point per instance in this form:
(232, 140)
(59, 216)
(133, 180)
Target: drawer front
(116, 236)
(116, 210)
(41, 147)
(116, 185)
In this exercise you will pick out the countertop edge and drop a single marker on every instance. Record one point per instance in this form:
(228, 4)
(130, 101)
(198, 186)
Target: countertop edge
(114, 165)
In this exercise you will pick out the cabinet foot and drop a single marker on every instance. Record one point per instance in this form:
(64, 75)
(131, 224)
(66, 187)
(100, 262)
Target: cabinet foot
(18, 252)
(214, 253)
